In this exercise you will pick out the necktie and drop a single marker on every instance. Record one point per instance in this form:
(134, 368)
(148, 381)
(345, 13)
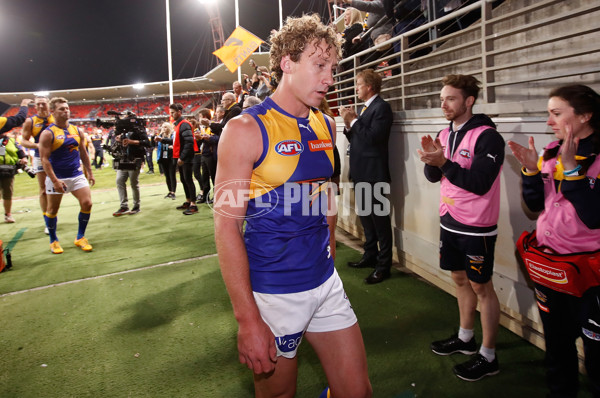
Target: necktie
(363, 109)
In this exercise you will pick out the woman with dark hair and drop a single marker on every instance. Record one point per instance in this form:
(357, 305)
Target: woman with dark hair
(561, 256)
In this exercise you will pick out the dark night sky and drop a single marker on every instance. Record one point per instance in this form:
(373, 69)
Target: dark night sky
(69, 44)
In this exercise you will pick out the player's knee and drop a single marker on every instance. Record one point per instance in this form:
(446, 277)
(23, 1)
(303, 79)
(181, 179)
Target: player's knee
(460, 278)
(483, 290)
(86, 205)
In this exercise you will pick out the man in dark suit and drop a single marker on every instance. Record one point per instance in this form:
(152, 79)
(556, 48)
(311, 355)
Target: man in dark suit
(369, 133)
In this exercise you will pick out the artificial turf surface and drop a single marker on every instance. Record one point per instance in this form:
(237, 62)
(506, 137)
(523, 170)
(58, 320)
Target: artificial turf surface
(168, 330)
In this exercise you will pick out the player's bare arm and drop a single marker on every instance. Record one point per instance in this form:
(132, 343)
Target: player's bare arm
(240, 147)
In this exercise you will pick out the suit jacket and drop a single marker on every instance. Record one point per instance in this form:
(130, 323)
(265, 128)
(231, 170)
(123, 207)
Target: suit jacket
(376, 10)
(369, 136)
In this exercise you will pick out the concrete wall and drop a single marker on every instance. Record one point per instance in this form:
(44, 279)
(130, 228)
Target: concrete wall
(519, 110)
(415, 216)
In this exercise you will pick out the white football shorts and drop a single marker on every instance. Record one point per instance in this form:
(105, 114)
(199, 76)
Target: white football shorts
(72, 184)
(325, 308)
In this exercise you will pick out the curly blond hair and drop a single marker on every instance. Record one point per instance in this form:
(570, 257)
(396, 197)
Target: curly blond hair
(295, 35)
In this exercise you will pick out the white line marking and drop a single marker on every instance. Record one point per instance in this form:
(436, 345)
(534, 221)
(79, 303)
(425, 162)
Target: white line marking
(107, 275)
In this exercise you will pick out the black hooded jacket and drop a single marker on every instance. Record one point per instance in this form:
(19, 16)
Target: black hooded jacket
(487, 161)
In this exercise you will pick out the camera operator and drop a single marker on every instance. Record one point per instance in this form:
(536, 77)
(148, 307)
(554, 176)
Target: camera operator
(11, 157)
(135, 143)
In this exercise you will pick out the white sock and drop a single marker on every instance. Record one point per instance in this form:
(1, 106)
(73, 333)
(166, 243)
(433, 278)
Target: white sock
(488, 353)
(465, 334)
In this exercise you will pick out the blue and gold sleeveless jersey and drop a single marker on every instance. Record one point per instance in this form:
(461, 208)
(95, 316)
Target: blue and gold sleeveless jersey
(286, 234)
(39, 124)
(65, 158)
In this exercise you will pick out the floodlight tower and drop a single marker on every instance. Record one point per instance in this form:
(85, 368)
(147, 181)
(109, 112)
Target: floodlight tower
(214, 19)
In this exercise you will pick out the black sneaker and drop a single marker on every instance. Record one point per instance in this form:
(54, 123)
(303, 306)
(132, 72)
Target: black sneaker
(135, 210)
(454, 344)
(168, 196)
(121, 211)
(184, 206)
(476, 368)
(193, 209)
(201, 199)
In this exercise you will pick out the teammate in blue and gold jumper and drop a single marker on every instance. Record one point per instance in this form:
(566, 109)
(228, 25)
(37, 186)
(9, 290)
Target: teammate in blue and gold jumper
(279, 273)
(33, 127)
(62, 152)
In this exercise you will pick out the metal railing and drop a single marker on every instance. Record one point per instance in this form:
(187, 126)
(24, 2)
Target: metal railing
(516, 51)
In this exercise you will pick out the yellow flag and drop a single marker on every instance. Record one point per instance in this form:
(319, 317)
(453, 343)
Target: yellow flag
(237, 48)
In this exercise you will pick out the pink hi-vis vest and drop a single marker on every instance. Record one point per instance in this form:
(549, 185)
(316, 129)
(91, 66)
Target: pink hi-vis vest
(464, 206)
(559, 227)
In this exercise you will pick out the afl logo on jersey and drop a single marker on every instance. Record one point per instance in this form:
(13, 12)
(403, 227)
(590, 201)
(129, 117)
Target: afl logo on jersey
(465, 153)
(289, 148)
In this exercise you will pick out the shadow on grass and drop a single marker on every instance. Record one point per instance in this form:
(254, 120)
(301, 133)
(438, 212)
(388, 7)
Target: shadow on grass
(162, 308)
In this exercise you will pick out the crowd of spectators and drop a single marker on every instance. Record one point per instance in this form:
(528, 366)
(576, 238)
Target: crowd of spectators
(366, 23)
(142, 107)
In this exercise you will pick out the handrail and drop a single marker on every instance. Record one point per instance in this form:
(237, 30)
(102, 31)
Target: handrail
(492, 48)
(419, 29)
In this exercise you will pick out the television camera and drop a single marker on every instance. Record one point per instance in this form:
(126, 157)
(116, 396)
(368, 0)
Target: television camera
(124, 126)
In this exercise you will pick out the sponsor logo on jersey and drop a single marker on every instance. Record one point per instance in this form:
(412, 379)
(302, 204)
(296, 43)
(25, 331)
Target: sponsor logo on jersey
(320, 145)
(289, 148)
(465, 153)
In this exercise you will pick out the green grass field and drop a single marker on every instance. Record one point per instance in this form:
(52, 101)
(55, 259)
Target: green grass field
(146, 313)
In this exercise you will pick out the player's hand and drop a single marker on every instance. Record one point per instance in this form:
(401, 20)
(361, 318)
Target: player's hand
(92, 181)
(256, 346)
(59, 186)
(526, 156)
(26, 102)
